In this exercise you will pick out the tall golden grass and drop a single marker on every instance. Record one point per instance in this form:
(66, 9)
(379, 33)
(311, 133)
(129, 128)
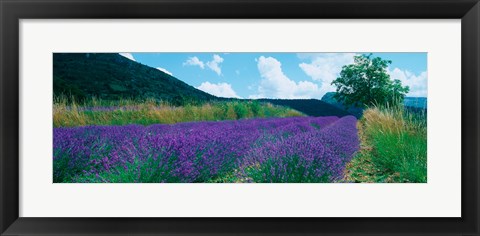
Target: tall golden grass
(393, 146)
(68, 113)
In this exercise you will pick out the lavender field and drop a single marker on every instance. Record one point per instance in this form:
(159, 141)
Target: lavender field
(240, 117)
(261, 150)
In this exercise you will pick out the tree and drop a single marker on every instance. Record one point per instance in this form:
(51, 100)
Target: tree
(366, 82)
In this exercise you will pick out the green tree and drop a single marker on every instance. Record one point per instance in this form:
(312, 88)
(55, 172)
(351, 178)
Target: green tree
(366, 82)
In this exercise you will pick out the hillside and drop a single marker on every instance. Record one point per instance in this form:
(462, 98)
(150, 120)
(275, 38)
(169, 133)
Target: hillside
(310, 107)
(328, 98)
(415, 104)
(110, 76)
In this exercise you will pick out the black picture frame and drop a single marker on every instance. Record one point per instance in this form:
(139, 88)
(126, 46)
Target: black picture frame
(12, 11)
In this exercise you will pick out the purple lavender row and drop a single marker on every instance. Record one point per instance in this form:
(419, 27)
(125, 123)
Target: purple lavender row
(313, 156)
(201, 151)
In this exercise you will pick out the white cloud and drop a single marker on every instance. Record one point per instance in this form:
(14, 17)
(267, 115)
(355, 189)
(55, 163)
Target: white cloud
(219, 90)
(194, 61)
(165, 71)
(416, 83)
(215, 64)
(275, 84)
(127, 55)
(325, 67)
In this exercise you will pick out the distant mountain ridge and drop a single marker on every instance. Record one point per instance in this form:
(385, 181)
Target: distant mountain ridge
(417, 102)
(111, 76)
(328, 98)
(310, 107)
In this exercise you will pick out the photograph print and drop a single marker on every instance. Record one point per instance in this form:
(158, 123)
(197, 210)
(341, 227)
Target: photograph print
(240, 117)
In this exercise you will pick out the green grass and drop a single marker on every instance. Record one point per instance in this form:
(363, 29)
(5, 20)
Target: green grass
(393, 147)
(146, 112)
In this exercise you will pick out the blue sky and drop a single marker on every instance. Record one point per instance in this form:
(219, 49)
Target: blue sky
(277, 75)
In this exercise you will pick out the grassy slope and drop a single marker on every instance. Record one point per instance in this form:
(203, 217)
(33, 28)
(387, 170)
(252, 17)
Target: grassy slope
(393, 147)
